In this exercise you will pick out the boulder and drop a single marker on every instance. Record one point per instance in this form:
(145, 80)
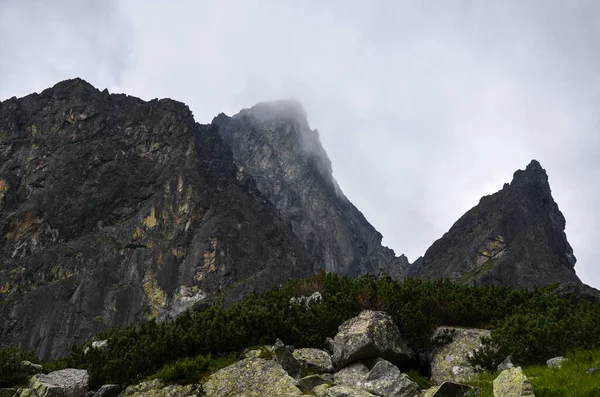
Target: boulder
(156, 388)
(353, 375)
(512, 383)
(308, 383)
(286, 359)
(109, 391)
(340, 391)
(506, 364)
(556, 362)
(64, 383)
(251, 377)
(385, 379)
(451, 361)
(448, 389)
(370, 334)
(313, 361)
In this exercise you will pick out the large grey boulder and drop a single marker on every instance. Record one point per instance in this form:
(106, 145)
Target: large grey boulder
(370, 334)
(448, 389)
(451, 361)
(155, 388)
(313, 361)
(250, 378)
(512, 383)
(64, 383)
(385, 379)
(354, 375)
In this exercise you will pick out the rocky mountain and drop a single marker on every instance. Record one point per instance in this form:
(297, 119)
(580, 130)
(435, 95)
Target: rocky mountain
(114, 210)
(273, 143)
(515, 237)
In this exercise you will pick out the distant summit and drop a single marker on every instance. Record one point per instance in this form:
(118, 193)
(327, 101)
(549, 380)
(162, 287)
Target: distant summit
(514, 237)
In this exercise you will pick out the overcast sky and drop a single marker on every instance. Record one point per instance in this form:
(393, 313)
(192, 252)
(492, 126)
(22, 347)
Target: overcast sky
(423, 106)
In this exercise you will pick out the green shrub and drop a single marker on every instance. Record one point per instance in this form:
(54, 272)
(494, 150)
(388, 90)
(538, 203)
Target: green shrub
(12, 372)
(185, 370)
(531, 325)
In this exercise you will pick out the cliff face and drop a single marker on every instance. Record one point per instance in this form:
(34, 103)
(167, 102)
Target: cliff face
(514, 237)
(274, 144)
(114, 210)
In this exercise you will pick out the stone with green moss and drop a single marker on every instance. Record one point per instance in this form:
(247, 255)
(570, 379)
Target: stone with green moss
(512, 383)
(252, 377)
(156, 388)
(313, 361)
(451, 361)
(368, 335)
(64, 383)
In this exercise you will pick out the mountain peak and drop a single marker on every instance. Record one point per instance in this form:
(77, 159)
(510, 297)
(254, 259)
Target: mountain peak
(284, 109)
(533, 174)
(514, 237)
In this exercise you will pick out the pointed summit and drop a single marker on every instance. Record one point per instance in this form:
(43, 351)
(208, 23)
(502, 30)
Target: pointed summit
(533, 174)
(514, 237)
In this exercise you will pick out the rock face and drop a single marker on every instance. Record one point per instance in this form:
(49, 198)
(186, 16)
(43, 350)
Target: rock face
(514, 237)
(114, 210)
(451, 361)
(273, 143)
(370, 334)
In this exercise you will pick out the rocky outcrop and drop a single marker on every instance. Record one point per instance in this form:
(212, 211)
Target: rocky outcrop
(273, 144)
(114, 210)
(512, 383)
(514, 237)
(251, 377)
(450, 362)
(370, 334)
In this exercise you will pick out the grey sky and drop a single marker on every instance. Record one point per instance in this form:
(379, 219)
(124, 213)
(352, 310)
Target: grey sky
(423, 106)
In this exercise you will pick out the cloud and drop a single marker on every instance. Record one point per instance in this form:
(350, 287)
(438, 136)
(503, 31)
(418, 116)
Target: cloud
(43, 42)
(423, 107)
